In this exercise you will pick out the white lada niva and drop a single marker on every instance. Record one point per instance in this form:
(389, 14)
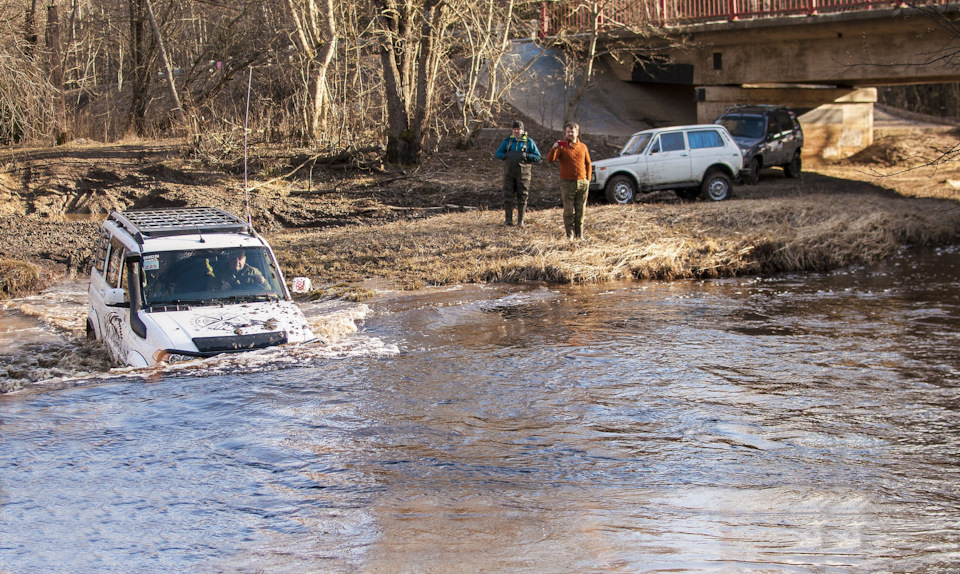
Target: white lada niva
(187, 282)
(697, 160)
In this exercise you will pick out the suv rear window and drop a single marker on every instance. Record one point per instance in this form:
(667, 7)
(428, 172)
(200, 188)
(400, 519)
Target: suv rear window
(704, 139)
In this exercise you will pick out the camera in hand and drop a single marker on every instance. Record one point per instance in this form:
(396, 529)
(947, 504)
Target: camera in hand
(563, 143)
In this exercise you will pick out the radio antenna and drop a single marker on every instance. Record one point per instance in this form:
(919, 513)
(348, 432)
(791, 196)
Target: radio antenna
(246, 121)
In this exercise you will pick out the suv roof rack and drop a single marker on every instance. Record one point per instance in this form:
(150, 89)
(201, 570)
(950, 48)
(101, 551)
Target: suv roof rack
(149, 223)
(737, 107)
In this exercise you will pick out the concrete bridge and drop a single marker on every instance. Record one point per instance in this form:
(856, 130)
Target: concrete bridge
(686, 60)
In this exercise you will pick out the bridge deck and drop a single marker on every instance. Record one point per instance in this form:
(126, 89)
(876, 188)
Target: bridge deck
(576, 16)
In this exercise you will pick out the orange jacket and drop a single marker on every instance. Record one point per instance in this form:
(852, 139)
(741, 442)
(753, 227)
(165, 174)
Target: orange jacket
(574, 160)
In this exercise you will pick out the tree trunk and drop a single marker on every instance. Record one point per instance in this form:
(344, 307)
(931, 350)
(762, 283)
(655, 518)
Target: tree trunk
(55, 72)
(168, 69)
(395, 72)
(30, 28)
(410, 58)
(426, 76)
(398, 128)
(327, 30)
(139, 59)
(316, 32)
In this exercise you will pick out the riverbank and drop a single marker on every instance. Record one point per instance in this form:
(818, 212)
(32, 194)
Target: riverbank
(643, 241)
(353, 231)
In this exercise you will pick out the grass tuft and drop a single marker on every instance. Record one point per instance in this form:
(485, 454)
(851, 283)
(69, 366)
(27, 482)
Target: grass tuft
(18, 278)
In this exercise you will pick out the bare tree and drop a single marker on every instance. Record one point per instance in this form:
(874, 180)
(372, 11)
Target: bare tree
(485, 29)
(410, 53)
(27, 98)
(315, 29)
(606, 28)
(55, 70)
(140, 54)
(165, 60)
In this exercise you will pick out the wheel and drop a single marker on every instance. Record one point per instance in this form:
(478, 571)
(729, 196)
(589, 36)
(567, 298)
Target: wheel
(620, 189)
(91, 334)
(751, 175)
(716, 186)
(687, 194)
(793, 168)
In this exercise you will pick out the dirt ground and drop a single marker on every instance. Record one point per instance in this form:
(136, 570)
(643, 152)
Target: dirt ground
(52, 200)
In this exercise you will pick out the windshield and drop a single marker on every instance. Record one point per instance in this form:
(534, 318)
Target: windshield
(636, 144)
(743, 126)
(210, 276)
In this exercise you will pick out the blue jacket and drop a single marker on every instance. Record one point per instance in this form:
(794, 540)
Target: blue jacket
(519, 153)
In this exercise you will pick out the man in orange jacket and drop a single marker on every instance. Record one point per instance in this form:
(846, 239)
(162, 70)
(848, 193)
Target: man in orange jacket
(574, 158)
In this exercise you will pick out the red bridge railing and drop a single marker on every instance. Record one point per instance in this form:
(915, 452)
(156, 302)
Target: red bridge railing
(574, 15)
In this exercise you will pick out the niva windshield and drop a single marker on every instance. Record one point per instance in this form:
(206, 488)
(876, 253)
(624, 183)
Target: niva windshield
(210, 276)
(636, 144)
(743, 126)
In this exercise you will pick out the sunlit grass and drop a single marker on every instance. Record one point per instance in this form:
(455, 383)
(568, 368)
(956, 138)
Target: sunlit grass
(660, 241)
(18, 278)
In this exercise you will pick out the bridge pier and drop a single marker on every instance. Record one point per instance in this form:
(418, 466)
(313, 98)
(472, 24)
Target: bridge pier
(837, 122)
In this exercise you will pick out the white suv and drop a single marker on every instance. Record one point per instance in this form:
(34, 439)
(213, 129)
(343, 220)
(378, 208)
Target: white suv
(189, 282)
(691, 160)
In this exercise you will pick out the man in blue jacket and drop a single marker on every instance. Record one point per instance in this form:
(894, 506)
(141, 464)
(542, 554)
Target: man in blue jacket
(518, 152)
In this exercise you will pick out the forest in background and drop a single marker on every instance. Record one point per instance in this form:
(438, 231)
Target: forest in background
(329, 73)
(401, 75)
(397, 77)
(940, 100)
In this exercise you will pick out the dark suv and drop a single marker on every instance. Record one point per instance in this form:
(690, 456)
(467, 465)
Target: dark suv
(768, 136)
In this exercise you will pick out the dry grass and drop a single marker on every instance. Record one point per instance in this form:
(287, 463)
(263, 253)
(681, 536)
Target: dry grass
(345, 229)
(661, 241)
(18, 278)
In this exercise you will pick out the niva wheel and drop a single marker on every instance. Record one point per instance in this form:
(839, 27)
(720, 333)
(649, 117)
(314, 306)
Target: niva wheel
(620, 189)
(716, 186)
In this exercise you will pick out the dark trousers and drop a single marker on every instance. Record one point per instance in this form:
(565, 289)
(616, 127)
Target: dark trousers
(515, 191)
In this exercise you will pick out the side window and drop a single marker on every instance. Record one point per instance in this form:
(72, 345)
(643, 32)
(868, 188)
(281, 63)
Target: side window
(772, 127)
(704, 139)
(115, 264)
(123, 277)
(786, 120)
(103, 247)
(672, 141)
(655, 148)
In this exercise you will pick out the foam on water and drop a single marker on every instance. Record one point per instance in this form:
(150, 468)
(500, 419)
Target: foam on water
(43, 343)
(62, 307)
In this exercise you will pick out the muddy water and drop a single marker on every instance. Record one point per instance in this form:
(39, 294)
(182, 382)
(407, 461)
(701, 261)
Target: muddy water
(793, 424)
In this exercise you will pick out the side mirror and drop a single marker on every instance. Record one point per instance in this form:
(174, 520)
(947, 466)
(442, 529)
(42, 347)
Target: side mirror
(115, 298)
(302, 285)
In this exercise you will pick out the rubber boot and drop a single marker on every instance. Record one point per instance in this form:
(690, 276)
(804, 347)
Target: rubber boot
(520, 211)
(577, 232)
(508, 214)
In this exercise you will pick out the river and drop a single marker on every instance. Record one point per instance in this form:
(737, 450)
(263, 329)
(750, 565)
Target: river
(801, 423)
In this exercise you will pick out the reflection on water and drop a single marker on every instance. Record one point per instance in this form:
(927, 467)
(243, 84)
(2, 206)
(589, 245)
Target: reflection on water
(791, 424)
